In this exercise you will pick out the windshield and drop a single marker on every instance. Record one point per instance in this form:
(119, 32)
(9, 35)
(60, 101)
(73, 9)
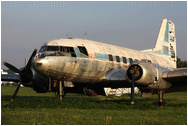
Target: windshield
(58, 51)
(42, 49)
(52, 48)
(49, 48)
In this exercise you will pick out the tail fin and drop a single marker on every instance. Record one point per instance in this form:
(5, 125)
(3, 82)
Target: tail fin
(166, 41)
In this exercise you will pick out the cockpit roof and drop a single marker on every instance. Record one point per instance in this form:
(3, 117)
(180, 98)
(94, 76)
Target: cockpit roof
(67, 42)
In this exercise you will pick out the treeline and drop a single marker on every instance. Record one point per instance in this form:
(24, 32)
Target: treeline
(181, 64)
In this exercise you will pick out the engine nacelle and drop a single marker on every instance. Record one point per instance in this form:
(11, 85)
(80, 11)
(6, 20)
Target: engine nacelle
(147, 75)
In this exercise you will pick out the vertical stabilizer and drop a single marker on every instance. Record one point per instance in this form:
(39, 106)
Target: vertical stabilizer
(166, 41)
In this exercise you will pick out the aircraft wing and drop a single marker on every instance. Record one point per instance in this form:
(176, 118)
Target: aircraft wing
(178, 79)
(115, 78)
(176, 76)
(10, 77)
(116, 75)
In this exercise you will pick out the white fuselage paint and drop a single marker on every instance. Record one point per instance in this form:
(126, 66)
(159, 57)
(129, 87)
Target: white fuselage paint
(91, 69)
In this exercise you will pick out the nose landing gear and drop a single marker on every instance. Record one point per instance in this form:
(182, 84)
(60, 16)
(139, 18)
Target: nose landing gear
(60, 93)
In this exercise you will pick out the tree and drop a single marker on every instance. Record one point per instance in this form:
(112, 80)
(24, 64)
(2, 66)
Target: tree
(181, 64)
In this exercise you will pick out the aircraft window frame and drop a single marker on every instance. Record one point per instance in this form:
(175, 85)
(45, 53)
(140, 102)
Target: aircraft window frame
(110, 57)
(72, 51)
(66, 49)
(124, 60)
(130, 60)
(52, 48)
(117, 59)
(83, 51)
(46, 48)
(43, 49)
(59, 51)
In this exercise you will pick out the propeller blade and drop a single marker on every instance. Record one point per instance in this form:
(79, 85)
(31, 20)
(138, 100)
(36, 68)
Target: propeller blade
(11, 67)
(132, 91)
(15, 93)
(28, 66)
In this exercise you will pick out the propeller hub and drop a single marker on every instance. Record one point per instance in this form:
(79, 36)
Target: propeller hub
(26, 75)
(134, 71)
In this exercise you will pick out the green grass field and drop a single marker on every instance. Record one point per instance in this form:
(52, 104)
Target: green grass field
(31, 108)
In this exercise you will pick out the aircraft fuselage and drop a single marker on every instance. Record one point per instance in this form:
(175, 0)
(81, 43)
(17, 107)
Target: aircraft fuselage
(85, 61)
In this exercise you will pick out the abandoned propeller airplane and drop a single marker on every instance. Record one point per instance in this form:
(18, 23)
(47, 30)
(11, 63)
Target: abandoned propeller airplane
(71, 64)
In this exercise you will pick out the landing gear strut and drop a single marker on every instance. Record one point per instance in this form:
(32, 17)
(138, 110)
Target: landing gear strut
(61, 91)
(160, 101)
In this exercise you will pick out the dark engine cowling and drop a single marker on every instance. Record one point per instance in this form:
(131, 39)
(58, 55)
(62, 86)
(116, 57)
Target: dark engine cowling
(40, 83)
(147, 75)
(30, 78)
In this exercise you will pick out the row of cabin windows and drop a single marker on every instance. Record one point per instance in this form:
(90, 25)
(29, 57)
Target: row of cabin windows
(118, 59)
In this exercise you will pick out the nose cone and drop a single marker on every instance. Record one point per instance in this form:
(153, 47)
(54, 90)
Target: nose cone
(40, 65)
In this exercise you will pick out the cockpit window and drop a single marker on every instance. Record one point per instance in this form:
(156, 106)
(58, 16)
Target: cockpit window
(49, 48)
(52, 48)
(83, 51)
(42, 49)
(68, 50)
(65, 49)
(58, 51)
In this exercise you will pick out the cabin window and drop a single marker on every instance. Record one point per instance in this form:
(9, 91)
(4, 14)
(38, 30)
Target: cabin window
(117, 59)
(131, 60)
(124, 60)
(83, 51)
(110, 57)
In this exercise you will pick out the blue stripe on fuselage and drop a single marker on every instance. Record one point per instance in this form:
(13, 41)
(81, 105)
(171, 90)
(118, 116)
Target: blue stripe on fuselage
(106, 57)
(101, 56)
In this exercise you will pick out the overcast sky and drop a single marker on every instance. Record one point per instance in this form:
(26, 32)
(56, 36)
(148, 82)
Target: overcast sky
(27, 25)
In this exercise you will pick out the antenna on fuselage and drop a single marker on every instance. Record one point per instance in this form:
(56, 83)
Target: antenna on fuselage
(85, 35)
(68, 37)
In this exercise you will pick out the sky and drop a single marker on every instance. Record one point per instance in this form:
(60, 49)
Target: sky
(28, 25)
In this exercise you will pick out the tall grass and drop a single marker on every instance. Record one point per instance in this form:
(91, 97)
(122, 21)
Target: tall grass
(32, 108)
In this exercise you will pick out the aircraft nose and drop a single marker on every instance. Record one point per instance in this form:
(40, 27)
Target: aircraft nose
(39, 65)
